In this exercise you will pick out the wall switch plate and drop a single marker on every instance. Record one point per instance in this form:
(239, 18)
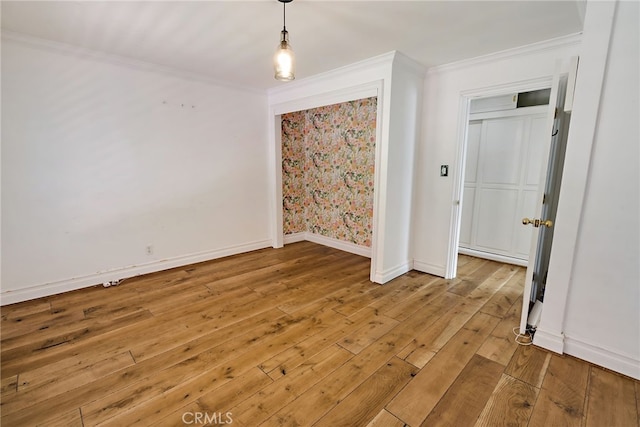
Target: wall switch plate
(444, 170)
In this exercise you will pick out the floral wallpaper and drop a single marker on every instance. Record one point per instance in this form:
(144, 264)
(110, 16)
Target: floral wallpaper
(328, 156)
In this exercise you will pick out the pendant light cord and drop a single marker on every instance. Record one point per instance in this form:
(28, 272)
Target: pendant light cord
(284, 16)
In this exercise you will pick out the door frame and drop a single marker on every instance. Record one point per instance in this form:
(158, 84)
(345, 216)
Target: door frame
(461, 155)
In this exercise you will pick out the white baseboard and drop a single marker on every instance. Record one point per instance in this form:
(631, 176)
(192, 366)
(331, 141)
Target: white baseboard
(295, 237)
(47, 289)
(493, 257)
(330, 242)
(609, 359)
(549, 340)
(383, 277)
(424, 267)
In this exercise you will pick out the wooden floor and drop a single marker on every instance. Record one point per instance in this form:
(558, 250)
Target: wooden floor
(296, 336)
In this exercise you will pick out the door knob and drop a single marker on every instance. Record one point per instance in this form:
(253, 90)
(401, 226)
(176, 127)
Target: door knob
(547, 223)
(537, 222)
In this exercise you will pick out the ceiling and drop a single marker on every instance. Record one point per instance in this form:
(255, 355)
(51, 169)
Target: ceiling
(233, 41)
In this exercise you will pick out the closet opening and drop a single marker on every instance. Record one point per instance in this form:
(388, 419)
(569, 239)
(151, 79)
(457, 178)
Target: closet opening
(328, 172)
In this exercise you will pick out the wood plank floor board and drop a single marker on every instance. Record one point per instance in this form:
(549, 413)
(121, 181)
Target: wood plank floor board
(369, 398)
(385, 419)
(259, 335)
(491, 285)
(69, 332)
(564, 389)
(529, 364)
(500, 345)
(465, 284)
(429, 290)
(25, 309)
(361, 338)
(439, 333)
(503, 300)
(289, 387)
(298, 354)
(9, 386)
(420, 349)
(221, 400)
(40, 320)
(611, 400)
(414, 403)
(40, 412)
(510, 404)
(43, 383)
(466, 398)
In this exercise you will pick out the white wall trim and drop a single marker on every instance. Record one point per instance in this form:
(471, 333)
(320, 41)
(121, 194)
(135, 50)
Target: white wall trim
(493, 257)
(582, 129)
(383, 277)
(364, 251)
(549, 340)
(617, 362)
(136, 64)
(295, 237)
(66, 285)
(366, 90)
(571, 39)
(337, 73)
(425, 267)
(461, 150)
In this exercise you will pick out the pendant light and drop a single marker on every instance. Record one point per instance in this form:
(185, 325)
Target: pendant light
(284, 61)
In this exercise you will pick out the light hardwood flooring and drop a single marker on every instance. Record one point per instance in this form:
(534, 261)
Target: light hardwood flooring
(296, 336)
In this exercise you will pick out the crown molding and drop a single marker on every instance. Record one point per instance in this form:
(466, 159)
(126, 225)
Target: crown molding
(118, 60)
(385, 59)
(538, 47)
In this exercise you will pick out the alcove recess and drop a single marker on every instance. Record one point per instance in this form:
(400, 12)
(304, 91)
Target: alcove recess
(328, 166)
(381, 231)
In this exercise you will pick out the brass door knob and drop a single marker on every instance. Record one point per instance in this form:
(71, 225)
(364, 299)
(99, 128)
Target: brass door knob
(537, 222)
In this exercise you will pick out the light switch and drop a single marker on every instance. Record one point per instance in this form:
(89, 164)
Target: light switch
(444, 170)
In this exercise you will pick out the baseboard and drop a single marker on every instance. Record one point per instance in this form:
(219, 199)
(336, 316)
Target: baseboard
(295, 237)
(425, 267)
(549, 340)
(330, 242)
(391, 273)
(617, 362)
(493, 257)
(48, 289)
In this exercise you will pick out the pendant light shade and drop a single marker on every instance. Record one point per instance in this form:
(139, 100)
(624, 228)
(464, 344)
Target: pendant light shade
(284, 60)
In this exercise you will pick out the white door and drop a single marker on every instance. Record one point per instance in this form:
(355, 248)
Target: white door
(501, 183)
(543, 215)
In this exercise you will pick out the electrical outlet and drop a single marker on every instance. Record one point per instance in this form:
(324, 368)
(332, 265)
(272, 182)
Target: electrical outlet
(149, 249)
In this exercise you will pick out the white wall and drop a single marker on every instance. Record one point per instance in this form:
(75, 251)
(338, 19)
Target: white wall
(444, 86)
(404, 127)
(100, 160)
(596, 262)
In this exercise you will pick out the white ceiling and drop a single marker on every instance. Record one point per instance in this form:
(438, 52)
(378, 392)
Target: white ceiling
(233, 41)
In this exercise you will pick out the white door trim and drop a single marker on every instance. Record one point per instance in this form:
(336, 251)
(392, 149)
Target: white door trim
(461, 151)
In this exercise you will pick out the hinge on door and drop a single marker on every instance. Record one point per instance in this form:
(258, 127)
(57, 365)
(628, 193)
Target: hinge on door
(555, 113)
(544, 198)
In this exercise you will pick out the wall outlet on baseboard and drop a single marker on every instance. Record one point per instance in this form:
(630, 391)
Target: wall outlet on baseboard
(149, 249)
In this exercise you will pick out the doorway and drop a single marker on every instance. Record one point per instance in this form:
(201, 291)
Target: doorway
(502, 167)
(548, 174)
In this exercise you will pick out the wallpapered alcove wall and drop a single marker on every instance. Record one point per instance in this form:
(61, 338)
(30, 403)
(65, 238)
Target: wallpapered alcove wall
(328, 165)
